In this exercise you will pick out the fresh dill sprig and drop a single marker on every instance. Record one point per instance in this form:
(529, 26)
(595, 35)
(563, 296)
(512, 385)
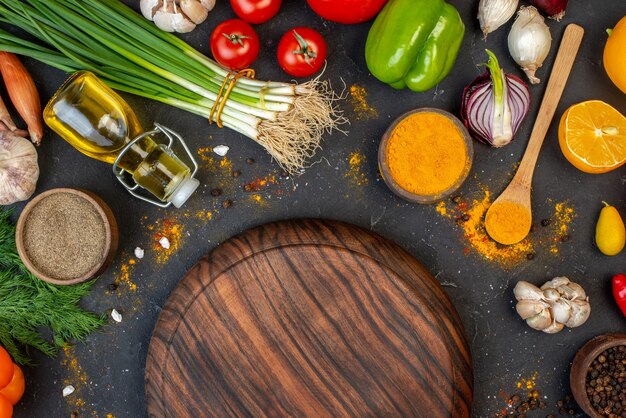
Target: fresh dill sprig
(31, 308)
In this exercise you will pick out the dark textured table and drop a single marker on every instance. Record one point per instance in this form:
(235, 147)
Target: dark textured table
(107, 370)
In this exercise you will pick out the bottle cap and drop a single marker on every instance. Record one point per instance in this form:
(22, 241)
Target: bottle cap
(184, 191)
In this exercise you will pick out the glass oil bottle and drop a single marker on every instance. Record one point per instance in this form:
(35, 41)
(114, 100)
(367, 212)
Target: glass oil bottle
(99, 123)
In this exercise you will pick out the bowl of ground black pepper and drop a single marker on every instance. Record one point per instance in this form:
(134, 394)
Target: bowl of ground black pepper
(66, 236)
(598, 376)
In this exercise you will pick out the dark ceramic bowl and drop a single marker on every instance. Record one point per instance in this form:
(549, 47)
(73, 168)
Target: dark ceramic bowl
(417, 198)
(585, 356)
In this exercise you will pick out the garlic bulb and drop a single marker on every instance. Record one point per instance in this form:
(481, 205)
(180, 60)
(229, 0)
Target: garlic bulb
(557, 304)
(529, 41)
(18, 168)
(176, 15)
(494, 13)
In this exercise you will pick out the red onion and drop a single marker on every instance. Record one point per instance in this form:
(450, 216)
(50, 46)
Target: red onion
(494, 105)
(553, 8)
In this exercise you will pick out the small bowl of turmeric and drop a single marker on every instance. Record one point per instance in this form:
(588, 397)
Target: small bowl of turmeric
(425, 155)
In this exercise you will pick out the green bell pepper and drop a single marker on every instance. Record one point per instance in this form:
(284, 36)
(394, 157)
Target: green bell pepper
(414, 43)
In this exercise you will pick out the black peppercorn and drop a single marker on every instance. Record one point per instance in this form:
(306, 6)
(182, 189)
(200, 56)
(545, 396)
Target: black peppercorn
(236, 173)
(250, 161)
(546, 222)
(530, 256)
(227, 203)
(456, 199)
(112, 286)
(216, 192)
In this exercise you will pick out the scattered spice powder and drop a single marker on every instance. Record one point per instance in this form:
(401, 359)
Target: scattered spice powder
(75, 376)
(172, 230)
(362, 109)
(260, 183)
(124, 274)
(426, 154)
(469, 215)
(355, 173)
(204, 215)
(64, 236)
(476, 236)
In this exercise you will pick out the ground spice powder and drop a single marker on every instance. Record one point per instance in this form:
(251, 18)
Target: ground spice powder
(355, 174)
(64, 236)
(362, 109)
(426, 154)
(508, 222)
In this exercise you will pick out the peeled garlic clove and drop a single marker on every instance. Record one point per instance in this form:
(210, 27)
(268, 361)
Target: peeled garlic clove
(540, 321)
(524, 290)
(580, 313)
(19, 170)
(494, 13)
(561, 311)
(529, 41)
(208, 4)
(529, 308)
(150, 7)
(194, 10)
(553, 328)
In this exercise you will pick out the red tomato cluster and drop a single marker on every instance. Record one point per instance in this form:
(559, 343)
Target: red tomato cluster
(302, 51)
(12, 384)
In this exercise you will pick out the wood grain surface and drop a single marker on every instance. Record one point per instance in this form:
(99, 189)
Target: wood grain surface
(308, 318)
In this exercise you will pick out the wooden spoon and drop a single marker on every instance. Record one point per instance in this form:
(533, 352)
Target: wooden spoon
(512, 209)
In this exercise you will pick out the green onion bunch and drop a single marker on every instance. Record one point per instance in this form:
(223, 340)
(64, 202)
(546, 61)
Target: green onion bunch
(132, 55)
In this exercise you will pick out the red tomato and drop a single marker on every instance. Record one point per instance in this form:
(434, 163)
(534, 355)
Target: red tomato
(6, 409)
(347, 11)
(6, 368)
(256, 11)
(15, 389)
(235, 44)
(302, 52)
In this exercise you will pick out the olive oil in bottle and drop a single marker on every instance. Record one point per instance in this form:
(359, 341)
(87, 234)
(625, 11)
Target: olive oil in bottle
(99, 123)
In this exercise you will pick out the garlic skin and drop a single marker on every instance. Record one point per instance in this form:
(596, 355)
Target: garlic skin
(529, 41)
(19, 170)
(559, 303)
(494, 13)
(180, 16)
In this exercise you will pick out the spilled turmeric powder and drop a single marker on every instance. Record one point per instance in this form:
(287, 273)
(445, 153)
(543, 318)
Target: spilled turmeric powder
(469, 215)
(168, 231)
(426, 154)
(362, 109)
(355, 174)
(76, 377)
(123, 277)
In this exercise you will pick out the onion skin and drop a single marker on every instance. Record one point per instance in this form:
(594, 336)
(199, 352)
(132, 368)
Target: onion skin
(553, 8)
(478, 107)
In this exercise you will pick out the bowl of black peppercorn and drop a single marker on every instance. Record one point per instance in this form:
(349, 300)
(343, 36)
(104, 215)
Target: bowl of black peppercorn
(598, 376)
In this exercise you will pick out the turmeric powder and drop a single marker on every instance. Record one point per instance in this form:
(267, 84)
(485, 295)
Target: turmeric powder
(426, 154)
(508, 222)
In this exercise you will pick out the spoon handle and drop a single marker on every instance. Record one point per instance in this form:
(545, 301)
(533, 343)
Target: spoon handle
(558, 78)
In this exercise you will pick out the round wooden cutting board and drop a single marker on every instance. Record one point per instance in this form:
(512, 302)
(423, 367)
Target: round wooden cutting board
(308, 318)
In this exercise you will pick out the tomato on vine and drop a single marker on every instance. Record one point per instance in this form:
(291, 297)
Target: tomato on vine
(235, 44)
(302, 52)
(256, 11)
